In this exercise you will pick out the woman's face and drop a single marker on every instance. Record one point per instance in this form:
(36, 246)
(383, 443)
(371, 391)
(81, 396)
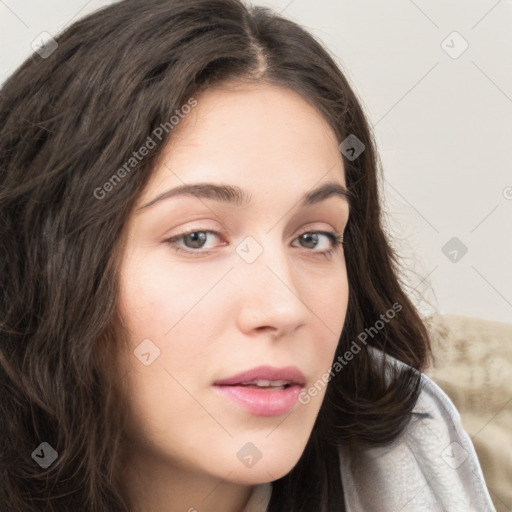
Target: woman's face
(244, 290)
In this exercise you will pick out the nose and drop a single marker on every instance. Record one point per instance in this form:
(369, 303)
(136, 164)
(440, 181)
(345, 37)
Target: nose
(269, 294)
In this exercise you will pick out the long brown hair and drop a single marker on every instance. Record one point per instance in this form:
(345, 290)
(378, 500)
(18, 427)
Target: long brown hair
(68, 123)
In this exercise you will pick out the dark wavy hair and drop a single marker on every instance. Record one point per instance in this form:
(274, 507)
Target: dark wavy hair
(67, 123)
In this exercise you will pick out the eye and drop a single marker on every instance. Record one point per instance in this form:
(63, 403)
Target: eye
(195, 240)
(312, 238)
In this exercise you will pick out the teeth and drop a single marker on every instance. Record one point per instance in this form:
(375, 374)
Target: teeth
(266, 383)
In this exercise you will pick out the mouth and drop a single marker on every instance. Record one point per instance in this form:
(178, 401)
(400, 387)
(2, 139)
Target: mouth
(266, 384)
(265, 376)
(264, 391)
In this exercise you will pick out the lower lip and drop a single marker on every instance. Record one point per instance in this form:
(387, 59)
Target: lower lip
(263, 402)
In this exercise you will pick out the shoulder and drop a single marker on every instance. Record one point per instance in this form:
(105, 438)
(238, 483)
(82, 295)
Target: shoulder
(431, 467)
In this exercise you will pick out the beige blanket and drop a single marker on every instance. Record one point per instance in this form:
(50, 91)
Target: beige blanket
(473, 365)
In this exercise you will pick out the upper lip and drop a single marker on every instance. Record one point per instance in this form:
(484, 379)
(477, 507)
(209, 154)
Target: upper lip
(291, 374)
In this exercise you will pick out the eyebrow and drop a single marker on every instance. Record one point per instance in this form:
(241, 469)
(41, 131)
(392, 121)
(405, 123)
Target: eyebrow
(232, 194)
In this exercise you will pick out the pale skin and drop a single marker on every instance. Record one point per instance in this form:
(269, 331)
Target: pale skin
(214, 315)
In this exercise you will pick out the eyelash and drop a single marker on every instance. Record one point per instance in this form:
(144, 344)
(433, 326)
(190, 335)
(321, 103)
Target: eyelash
(336, 240)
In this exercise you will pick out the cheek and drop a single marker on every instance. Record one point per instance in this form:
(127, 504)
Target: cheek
(154, 297)
(158, 308)
(328, 299)
(328, 303)
(170, 307)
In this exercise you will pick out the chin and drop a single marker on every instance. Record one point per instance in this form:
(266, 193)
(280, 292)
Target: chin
(275, 465)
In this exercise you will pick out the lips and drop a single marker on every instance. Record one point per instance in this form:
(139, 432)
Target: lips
(266, 375)
(265, 390)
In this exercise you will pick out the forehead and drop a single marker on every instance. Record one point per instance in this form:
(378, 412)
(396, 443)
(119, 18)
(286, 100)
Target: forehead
(253, 115)
(257, 137)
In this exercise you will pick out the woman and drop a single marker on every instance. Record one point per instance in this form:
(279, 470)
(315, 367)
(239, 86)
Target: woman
(200, 308)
